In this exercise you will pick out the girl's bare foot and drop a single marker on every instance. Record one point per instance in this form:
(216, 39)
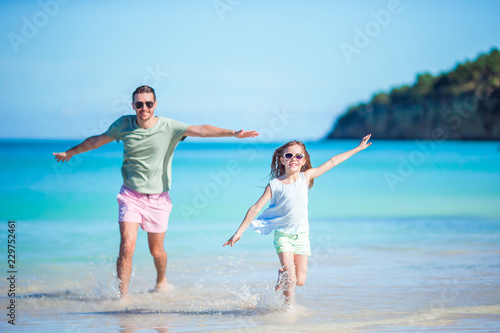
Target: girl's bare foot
(279, 283)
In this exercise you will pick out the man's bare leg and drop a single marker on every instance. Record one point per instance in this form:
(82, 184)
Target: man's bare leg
(128, 238)
(159, 254)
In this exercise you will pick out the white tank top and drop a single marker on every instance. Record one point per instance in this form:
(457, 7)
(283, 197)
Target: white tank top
(287, 211)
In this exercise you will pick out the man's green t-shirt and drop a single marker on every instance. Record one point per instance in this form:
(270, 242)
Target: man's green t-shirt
(147, 153)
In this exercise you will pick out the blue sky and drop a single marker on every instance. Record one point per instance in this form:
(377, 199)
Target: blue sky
(287, 68)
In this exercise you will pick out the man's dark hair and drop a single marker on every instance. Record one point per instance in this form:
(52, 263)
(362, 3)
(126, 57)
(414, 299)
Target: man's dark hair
(143, 90)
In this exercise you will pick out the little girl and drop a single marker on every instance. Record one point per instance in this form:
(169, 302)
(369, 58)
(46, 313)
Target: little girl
(291, 177)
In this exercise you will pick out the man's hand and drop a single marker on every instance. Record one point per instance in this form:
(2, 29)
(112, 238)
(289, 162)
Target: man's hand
(64, 157)
(90, 143)
(241, 134)
(209, 131)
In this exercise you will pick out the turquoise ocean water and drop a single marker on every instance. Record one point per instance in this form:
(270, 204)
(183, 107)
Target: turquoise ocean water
(405, 237)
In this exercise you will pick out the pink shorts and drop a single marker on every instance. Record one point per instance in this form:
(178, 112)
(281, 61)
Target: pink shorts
(150, 210)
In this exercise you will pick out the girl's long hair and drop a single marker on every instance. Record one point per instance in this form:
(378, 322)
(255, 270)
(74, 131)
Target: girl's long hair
(278, 169)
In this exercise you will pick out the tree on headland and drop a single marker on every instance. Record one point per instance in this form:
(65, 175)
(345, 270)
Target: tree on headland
(408, 112)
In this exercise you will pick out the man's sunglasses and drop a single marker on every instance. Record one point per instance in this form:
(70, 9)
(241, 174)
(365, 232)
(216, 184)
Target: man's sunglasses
(289, 156)
(139, 105)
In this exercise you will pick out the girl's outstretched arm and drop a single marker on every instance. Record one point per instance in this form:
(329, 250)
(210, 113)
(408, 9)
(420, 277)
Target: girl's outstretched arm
(336, 160)
(250, 216)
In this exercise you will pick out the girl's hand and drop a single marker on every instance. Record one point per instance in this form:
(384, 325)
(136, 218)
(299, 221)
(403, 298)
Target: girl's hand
(364, 142)
(236, 237)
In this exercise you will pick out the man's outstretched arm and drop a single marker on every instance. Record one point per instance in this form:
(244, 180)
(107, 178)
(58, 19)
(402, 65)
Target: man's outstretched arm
(90, 143)
(208, 131)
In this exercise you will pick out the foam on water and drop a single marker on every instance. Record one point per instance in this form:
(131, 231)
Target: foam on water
(199, 309)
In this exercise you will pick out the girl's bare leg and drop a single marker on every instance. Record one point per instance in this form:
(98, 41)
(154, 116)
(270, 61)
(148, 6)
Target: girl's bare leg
(300, 268)
(288, 276)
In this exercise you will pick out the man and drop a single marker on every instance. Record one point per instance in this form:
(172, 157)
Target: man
(149, 143)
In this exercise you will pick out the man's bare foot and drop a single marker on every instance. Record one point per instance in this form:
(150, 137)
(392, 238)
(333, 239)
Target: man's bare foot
(123, 299)
(162, 286)
(279, 283)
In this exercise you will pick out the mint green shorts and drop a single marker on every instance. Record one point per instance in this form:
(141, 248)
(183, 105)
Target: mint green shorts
(296, 243)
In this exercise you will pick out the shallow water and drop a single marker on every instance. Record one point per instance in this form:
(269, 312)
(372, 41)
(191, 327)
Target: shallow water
(371, 274)
(420, 256)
